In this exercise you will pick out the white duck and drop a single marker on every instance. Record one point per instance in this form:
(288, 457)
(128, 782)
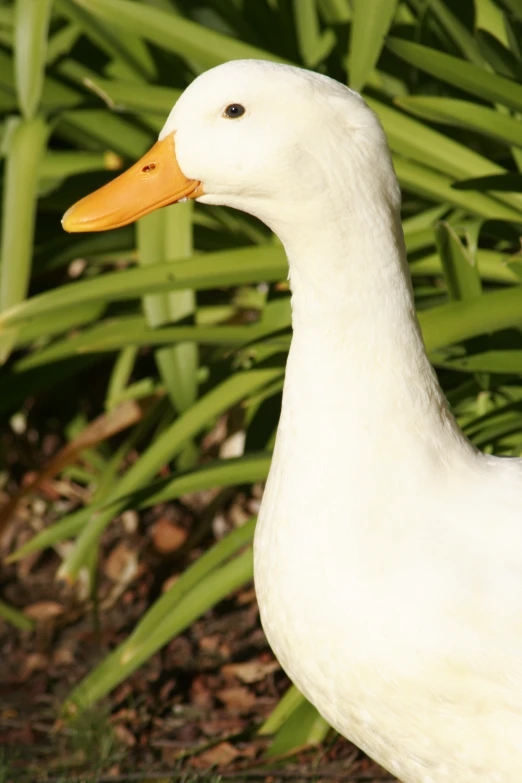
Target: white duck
(388, 553)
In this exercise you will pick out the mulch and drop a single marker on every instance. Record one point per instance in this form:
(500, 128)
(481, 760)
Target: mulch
(191, 712)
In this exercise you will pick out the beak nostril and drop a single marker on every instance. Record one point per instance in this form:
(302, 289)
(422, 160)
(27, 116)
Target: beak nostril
(148, 167)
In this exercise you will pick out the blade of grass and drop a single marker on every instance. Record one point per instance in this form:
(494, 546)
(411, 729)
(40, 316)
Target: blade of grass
(117, 333)
(62, 42)
(55, 95)
(221, 473)
(302, 728)
(492, 266)
(56, 323)
(489, 17)
(120, 375)
(26, 146)
(438, 187)
(457, 321)
(456, 30)
(127, 49)
(174, 33)
(370, 23)
(314, 45)
(416, 141)
(466, 76)
(164, 449)
(460, 269)
(120, 95)
(59, 165)
(286, 706)
(119, 664)
(212, 270)
(500, 361)
(465, 114)
(167, 234)
(31, 28)
(103, 130)
(16, 618)
(204, 565)
(336, 11)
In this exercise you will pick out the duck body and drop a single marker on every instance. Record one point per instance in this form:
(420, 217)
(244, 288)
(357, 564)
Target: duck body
(388, 552)
(405, 636)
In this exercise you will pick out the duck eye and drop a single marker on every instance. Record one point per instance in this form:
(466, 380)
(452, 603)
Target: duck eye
(233, 111)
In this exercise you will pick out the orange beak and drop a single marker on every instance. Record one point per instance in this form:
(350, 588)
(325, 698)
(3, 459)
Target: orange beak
(153, 182)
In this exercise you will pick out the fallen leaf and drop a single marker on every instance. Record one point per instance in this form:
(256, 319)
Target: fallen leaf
(209, 644)
(250, 671)
(200, 694)
(43, 610)
(239, 698)
(63, 656)
(105, 426)
(124, 735)
(121, 564)
(166, 536)
(222, 726)
(34, 662)
(219, 756)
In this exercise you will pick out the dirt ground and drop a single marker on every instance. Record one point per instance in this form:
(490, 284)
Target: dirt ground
(191, 712)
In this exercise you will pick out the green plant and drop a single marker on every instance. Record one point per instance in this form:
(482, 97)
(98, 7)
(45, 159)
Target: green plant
(93, 94)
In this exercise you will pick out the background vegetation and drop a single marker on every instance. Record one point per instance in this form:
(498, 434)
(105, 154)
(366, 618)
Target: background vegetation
(155, 332)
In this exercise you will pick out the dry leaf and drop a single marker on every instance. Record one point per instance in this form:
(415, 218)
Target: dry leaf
(218, 756)
(105, 426)
(238, 698)
(34, 662)
(43, 610)
(200, 695)
(121, 563)
(63, 656)
(250, 671)
(124, 735)
(166, 536)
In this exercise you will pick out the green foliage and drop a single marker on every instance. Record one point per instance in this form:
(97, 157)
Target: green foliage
(85, 86)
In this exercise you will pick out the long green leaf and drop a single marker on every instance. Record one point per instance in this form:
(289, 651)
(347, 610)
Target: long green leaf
(174, 33)
(314, 45)
(416, 141)
(127, 49)
(303, 727)
(460, 268)
(466, 76)
(26, 146)
(370, 23)
(167, 446)
(16, 618)
(205, 594)
(167, 234)
(122, 95)
(213, 270)
(31, 28)
(457, 321)
(118, 333)
(465, 114)
(223, 473)
(500, 361)
(212, 559)
(492, 266)
(102, 130)
(437, 187)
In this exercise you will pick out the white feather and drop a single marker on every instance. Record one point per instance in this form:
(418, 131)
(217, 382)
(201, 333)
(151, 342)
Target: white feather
(388, 554)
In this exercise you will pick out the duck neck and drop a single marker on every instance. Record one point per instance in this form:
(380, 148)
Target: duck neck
(357, 354)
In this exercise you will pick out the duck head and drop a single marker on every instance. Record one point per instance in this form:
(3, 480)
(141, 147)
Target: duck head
(265, 138)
